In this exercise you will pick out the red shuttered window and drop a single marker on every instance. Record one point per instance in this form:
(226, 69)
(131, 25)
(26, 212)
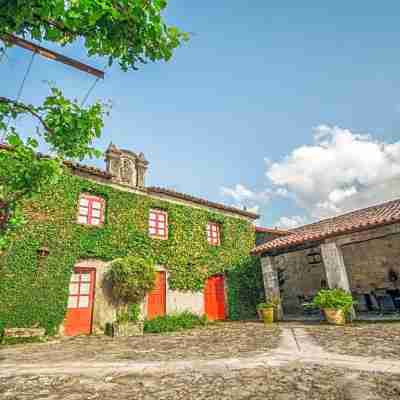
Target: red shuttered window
(213, 234)
(91, 210)
(158, 224)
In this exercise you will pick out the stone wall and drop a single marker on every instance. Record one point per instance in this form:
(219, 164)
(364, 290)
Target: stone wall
(369, 262)
(298, 278)
(105, 311)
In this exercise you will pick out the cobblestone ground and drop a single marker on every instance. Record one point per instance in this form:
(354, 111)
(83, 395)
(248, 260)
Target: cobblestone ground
(368, 340)
(220, 340)
(293, 382)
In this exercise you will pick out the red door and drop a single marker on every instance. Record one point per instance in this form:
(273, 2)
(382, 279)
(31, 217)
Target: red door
(80, 302)
(156, 304)
(214, 298)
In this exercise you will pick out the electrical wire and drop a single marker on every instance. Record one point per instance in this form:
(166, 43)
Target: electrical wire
(19, 94)
(21, 88)
(89, 91)
(92, 87)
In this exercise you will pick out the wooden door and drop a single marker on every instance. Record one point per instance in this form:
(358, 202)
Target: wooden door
(156, 300)
(214, 298)
(78, 320)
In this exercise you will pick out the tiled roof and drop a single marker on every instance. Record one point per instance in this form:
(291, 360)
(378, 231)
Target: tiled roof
(382, 214)
(88, 169)
(155, 190)
(275, 231)
(187, 197)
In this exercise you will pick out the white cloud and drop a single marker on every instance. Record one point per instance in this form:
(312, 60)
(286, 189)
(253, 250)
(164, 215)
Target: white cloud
(245, 197)
(254, 209)
(341, 170)
(291, 222)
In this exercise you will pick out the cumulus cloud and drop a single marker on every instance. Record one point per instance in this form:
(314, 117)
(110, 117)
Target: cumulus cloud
(291, 222)
(247, 198)
(339, 171)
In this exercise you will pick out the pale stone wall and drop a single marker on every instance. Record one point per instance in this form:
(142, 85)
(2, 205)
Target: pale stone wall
(298, 278)
(335, 268)
(368, 263)
(359, 262)
(178, 301)
(185, 301)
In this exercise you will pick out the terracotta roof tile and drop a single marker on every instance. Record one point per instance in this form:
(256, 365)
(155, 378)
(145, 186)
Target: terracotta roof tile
(354, 221)
(187, 197)
(155, 190)
(88, 169)
(272, 230)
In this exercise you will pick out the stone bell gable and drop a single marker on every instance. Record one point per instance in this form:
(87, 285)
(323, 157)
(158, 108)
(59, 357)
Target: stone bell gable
(127, 167)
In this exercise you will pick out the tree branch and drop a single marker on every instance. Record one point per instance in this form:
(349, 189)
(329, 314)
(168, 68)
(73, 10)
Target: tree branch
(27, 109)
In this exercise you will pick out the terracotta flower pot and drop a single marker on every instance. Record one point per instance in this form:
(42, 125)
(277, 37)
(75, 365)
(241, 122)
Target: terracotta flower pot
(334, 316)
(268, 315)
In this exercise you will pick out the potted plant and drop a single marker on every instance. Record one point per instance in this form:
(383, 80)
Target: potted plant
(335, 303)
(131, 278)
(267, 312)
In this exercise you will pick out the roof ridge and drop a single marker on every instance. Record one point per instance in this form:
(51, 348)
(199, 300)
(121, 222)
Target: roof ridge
(376, 215)
(189, 197)
(346, 214)
(105, 174)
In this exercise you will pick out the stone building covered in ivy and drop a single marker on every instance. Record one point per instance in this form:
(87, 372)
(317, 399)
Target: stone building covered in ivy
(52, 275)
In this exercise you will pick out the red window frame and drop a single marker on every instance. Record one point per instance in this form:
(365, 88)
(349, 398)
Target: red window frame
(79, 294)
(213, 231)
(91, 210)
(158, 224)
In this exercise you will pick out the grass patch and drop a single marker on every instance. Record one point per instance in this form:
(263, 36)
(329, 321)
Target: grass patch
(9, 341)
(174, 322)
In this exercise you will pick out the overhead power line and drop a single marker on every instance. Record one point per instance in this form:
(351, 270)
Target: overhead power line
(52, 55)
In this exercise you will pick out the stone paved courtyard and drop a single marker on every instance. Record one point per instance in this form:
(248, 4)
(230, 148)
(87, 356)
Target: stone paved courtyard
(292, 382)
(218, 340)
(361, 339)
(251, 362)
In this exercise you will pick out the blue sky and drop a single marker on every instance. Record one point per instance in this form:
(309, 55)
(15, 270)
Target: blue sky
(267, 105)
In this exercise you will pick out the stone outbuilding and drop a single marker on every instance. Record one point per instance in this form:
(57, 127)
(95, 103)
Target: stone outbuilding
(358, 252)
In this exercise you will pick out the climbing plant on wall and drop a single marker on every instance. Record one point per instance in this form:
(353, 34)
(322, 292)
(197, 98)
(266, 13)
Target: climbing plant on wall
(34, 289)
(131, 32)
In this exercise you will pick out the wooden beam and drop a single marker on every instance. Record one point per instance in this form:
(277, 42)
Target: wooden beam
(52, 55)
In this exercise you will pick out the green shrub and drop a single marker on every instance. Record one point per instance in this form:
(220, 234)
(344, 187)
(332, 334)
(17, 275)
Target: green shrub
(337, 299)
(174, 322)
(131, 278)
(21, 340)
(129, 313)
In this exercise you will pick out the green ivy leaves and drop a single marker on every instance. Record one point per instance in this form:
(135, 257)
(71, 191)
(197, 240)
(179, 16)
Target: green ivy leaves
(39, 295)
(129, 31)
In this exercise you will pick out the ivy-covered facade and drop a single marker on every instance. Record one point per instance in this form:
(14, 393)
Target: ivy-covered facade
(36, 270)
